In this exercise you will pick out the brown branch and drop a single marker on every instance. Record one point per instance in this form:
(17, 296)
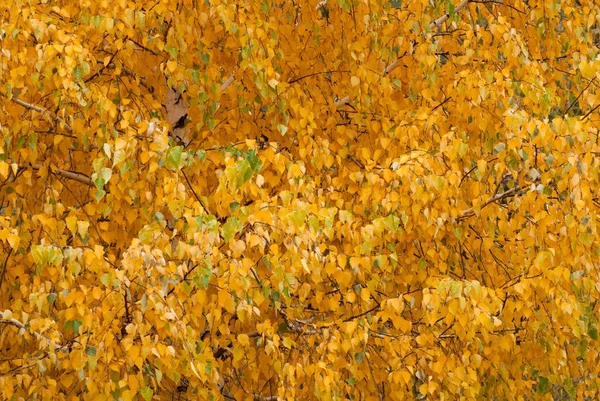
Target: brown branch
(590, 112)
(376, 307)
(577, 98)
(31, 106)
(72, 175)
(227, 82)
(391, 67)
(265, 398)
(471, 212)
(14, 322)
(315, 74)
(444, 17)
(4, 265)
(39, 109)
(223, 352)
(342, 102)
(97, 73)
(500, 3)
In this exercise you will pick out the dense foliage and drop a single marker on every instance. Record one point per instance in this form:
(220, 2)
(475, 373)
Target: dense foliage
(297, 200)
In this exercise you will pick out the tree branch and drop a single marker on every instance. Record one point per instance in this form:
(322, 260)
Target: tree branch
(391, 67)
(39, 109)
(471, 212)
(72, 175)
(21, 326)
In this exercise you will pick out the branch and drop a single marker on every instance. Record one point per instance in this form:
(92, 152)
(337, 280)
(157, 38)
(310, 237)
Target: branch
(39, 109)
(72, 175)
(21, 326)
(223, 352)
(266, 398)
(590, 112)
(471, 212)
(342, 102)
(227, 82)
(444, 17)
(30, 105)
(315, 74)
(434, 24)
(376, 307)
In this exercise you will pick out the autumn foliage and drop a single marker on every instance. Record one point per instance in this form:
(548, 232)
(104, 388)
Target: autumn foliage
(299, 200)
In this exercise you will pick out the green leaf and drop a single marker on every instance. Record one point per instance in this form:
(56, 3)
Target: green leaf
(195, 76)
(593, 331)
(233, 206)
(90, 351)
(78, 73)
(243, 173)
(73, 325)
(230, 228)
(37, 251)
(451, 8)
(359, 356)
(543, 385)
(172, 50)
(105, 279)
(173, 160)
(46, 255)
(147, 393)
(51, 298)
(282, 128)
(99, 194)
(586, 239)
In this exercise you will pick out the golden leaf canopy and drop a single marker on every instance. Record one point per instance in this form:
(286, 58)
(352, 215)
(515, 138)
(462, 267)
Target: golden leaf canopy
(299, 200)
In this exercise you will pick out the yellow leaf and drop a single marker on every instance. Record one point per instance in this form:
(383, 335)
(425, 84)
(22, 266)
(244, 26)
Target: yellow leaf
(127, 395)
(3, 169)
(588, 70)
(365, 294)
(237, 247)
(171, 66)
(71, 221)
(243, 339)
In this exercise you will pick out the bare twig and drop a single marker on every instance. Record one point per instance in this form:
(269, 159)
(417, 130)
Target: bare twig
(578, 96)
(5, 264)
(315, 74)
(590, 112)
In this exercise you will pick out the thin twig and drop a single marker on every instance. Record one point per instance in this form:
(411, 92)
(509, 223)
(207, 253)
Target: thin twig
(314, 74)
(578, 96)
(590, 112)
(363, 313)
(442, 103)
(4, 266)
